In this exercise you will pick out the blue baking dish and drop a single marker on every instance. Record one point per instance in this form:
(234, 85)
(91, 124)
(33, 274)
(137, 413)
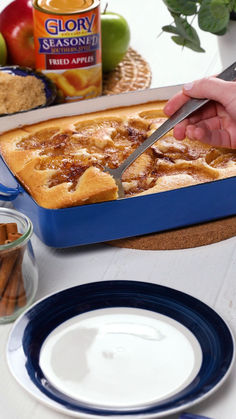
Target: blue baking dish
(122, 218)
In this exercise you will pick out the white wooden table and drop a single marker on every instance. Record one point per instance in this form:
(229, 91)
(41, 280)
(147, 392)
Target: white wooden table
(207, 272)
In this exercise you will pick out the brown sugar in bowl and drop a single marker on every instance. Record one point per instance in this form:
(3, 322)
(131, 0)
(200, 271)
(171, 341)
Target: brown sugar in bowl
(23, 89)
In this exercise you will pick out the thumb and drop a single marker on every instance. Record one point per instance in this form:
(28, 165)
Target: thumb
(212, 88)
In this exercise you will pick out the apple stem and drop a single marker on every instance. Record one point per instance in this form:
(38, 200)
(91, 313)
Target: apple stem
(104, 11)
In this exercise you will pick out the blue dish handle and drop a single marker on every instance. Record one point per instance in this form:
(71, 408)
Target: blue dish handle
(9, 194)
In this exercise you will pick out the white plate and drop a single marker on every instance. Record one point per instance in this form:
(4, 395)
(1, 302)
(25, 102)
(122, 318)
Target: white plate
(120, 348)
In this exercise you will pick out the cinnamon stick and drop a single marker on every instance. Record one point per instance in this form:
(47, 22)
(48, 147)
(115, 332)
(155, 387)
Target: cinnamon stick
(12, 290)
(3, 306)
(12, 236)
(10, 294)
(3, 233)
(11, 228)
(7, 263)
(21, 294)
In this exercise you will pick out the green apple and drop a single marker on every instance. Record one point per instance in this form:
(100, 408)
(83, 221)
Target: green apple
(115, 39)
(3, 51)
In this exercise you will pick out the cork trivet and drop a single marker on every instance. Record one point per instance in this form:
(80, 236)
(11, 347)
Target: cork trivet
(132, 73)
(182, 238)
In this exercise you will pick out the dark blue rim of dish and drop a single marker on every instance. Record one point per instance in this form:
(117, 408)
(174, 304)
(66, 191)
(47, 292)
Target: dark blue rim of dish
(208, 327)
(49, 87)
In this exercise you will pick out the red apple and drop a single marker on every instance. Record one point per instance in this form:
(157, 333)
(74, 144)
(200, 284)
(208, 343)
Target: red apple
(16, 25)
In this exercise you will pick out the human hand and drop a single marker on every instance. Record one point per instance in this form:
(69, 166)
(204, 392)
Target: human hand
(215, 123)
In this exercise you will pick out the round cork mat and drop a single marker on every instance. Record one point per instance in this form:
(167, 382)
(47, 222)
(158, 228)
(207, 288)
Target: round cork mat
(132, 73)
(182, 238)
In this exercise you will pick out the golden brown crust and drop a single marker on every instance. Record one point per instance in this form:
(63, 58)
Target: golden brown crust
(60, 162)
(93, 186)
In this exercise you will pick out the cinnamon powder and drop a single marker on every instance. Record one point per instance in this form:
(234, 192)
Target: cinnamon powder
(18, 93)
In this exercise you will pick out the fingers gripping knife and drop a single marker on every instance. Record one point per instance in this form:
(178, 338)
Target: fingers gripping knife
(187, 109)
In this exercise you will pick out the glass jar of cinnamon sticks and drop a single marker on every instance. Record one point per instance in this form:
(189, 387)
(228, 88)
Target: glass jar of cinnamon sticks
(18, 270)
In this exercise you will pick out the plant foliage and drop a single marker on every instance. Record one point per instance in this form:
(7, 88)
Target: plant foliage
(213, 16)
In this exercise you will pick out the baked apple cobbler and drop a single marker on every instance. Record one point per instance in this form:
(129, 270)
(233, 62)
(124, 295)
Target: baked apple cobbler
(60, 162)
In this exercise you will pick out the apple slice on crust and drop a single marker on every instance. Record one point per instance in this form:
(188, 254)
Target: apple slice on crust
(45, 186)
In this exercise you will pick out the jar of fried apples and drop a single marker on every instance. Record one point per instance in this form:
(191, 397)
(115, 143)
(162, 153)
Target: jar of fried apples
(18, 269)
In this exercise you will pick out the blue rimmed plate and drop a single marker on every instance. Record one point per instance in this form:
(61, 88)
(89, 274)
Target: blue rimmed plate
(49, 87)
(120, 348)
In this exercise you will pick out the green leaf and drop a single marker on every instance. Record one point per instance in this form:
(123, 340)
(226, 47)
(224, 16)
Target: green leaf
(233, 5)
(185, 7)
(213, 16)
(218, 7)
(222, 32)
(185, 43)
(186, 34)
(170, 29)
(186, 30)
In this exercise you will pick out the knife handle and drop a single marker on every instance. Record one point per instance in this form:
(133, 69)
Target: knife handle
(229, 74)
